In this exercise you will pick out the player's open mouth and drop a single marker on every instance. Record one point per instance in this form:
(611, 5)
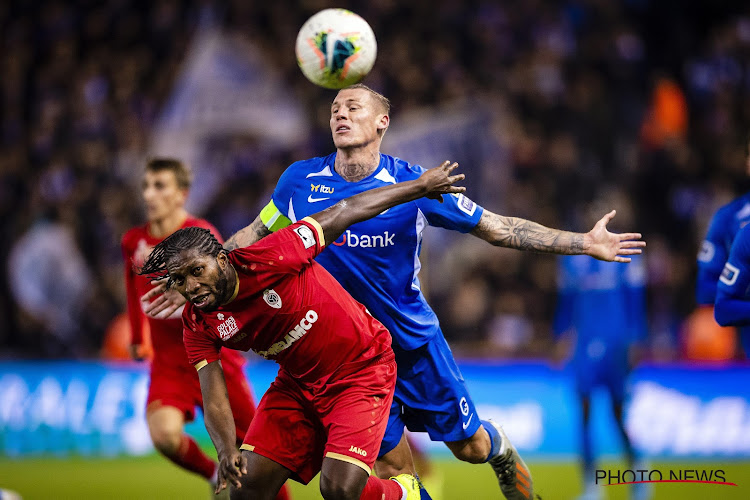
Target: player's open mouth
(342, 128)
(200, 300)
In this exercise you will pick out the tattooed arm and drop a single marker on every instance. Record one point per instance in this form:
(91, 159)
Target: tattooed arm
(522, 234)
(248, 235)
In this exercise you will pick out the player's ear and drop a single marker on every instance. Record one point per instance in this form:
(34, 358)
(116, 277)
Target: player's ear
(222, 260)
(383, 122)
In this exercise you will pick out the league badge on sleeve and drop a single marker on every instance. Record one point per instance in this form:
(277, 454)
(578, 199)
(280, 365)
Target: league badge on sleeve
(729, 274)
(306, 235)
(465, 204)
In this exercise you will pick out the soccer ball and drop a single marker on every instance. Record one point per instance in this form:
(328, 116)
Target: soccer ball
(336, 48)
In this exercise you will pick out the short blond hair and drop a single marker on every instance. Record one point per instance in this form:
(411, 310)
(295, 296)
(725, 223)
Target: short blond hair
(181, 170)
(384, 102)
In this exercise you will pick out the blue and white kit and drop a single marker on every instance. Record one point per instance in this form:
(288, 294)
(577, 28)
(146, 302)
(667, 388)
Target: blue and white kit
(377, 262)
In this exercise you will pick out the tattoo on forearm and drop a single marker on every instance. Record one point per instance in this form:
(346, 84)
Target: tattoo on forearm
(247, 236)
(512, 232)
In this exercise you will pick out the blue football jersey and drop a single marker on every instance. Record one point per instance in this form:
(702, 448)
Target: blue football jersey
(604, 302)
(715, 248)
(377, 260)
(733, 290)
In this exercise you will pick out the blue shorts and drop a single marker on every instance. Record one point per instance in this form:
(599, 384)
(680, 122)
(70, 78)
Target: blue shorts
(609, 372)
(431, 396)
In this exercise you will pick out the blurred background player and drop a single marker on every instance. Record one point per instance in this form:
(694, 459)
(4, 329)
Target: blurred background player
(377, 262)
(327, 409)
(174, 390)
(600, 320)
(715, 248)
(732, 297)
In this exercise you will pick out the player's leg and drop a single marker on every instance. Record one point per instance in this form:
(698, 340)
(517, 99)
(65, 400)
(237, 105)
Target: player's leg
(241, 400)
(166, 425)
(342, 480)
(263, 480)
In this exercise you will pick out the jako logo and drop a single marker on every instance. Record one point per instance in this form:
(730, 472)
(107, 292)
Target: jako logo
(299, 330)
(358, 451)
(320, 188)
(365, 240)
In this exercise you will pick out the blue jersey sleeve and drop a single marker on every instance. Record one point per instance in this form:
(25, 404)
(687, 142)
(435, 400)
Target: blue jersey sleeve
(456, 212)
(282, 193)
(711, 258)
(732, 299)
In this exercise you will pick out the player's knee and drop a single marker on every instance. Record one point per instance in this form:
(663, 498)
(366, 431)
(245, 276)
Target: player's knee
(166, 438)
(336, 488)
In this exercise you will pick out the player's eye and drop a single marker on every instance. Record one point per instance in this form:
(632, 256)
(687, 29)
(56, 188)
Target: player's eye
(178, 281)
(197, 270)
(353, 108)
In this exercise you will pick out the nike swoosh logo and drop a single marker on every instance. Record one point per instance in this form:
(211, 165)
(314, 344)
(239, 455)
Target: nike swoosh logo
(310, 199)
(466, 424)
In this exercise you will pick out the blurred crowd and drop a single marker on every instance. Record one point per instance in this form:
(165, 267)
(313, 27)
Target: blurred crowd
(638, 105)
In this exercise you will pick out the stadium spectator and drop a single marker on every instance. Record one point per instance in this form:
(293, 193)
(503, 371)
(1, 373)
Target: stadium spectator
(328, 408)
(174, 390)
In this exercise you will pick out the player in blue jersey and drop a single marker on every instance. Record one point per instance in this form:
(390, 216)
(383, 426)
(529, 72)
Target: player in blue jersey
(732, 293)
(715, 248)
(377, 262)
(600, 321)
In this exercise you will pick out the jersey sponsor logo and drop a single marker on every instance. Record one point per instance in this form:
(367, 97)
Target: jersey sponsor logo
(320, 188)
(306, 235)
(729, 275)
(228, 328)
(707, 251)
(294, 335)
(358, 451)
(351, 239)
(310, 199)
(466, 424)
(465, 204)
(272, 298)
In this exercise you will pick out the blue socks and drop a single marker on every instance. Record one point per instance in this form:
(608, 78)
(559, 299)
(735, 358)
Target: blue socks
(495, 439)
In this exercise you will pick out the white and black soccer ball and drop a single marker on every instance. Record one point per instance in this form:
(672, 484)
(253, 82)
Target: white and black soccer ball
(336, 48)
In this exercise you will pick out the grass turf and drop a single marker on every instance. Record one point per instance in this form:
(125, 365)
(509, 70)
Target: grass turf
(153, 477)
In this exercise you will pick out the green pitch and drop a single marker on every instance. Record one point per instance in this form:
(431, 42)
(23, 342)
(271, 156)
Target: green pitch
(154, 477)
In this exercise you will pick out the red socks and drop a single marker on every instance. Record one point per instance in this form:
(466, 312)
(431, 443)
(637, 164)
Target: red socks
(381, 489)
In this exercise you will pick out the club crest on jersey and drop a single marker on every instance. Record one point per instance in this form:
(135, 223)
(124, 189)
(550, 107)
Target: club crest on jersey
(272, 298)
(306, 235)
(228, 328)
(220, 316)
(707, 252)
(729, 275)
(320, 188)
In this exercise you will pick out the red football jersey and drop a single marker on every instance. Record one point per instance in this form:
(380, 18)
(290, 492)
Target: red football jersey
(287, 308)
(166, 334)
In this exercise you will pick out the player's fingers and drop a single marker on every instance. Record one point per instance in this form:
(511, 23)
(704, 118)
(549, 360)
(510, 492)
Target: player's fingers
(154, 292)
(242, 464)
(608, 217)
(456, 189)
(453, 166)
(622, 259)
(630, 251)
(630, 236)
(455, 178)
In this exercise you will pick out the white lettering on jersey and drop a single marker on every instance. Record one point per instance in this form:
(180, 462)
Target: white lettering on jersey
(465, 204)
(294, 335)
(228, 328)
(358, 451)
(272, 298)
(707, 252)
(367, 240)
(729, 275)
(306, 235)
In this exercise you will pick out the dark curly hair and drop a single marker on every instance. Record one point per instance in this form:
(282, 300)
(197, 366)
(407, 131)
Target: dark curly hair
(196, 238)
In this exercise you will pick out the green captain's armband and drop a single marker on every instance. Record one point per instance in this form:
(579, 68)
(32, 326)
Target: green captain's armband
(273, 218)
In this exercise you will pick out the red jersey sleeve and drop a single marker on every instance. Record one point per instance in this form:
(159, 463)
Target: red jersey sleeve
(287, 251)
(134, 305)
(201, 349)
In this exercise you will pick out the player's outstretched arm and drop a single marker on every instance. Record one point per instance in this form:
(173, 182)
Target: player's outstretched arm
(220, 425)
(522, 234)
(248, 235)
(432, 183)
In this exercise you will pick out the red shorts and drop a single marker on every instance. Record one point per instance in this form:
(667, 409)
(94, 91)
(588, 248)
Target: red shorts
(346, 420)
(177, 385)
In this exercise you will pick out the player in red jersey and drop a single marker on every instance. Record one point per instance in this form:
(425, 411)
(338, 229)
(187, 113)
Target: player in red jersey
(174, 391)
(328, 407)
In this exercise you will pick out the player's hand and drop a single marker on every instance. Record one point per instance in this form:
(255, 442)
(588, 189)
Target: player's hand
(136, 352)
(439, 181)
(603, 245)
(231, 467)
(160, 303)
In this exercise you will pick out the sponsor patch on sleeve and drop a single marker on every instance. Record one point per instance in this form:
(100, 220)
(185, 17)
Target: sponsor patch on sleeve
(707, 252)
(306, 235)
(466, 205)
(729, 274)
